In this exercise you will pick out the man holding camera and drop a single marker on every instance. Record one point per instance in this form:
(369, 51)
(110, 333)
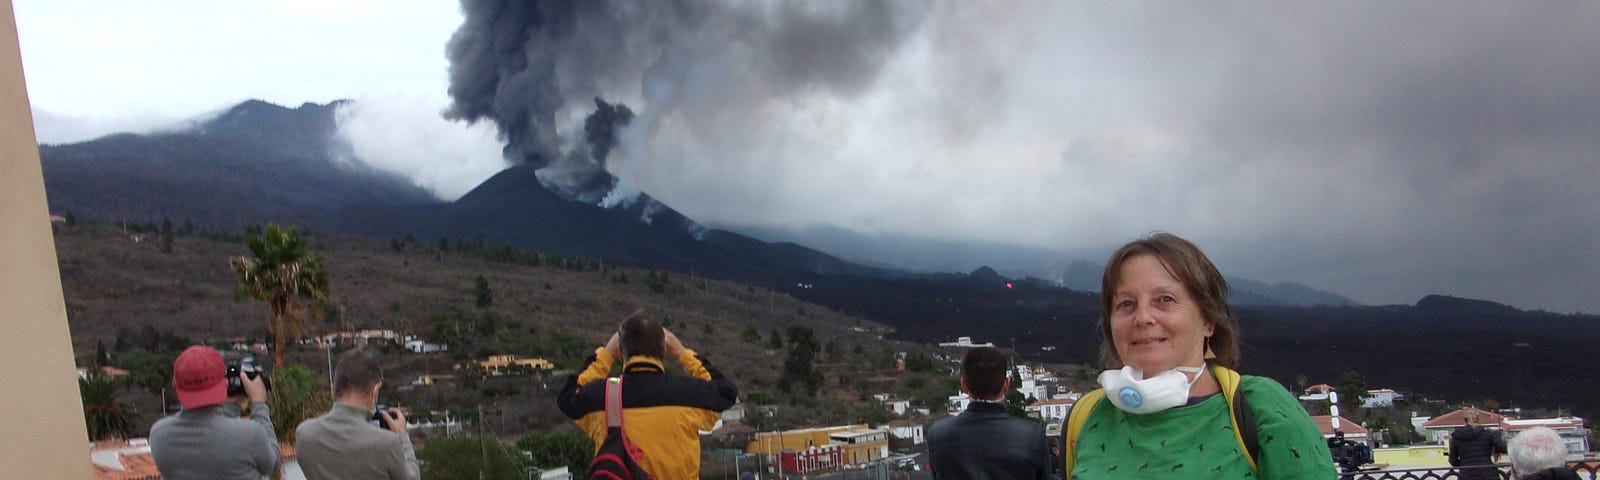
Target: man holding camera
(208, 440)
(344, 443)
(662, 414)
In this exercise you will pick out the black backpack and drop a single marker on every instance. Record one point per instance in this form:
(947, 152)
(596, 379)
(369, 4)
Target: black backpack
(617, 459)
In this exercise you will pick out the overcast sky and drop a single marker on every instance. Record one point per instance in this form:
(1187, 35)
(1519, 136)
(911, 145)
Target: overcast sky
(1379, 150)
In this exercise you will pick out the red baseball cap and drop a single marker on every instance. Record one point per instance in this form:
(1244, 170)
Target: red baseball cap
(199, 377)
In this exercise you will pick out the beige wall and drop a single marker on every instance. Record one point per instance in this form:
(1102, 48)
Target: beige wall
(41, 417)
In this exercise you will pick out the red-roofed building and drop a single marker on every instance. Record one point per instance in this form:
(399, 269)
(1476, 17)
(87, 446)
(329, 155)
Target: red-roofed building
(1437, 429)
(131, 460)
(1353, 431)
(123, 460)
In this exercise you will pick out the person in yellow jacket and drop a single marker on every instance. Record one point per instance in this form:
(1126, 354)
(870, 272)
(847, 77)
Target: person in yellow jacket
(662, 414)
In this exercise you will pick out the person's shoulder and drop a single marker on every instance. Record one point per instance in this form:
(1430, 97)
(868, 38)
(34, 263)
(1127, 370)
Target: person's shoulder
(1264, 388)
(313, 424)
(159, 429)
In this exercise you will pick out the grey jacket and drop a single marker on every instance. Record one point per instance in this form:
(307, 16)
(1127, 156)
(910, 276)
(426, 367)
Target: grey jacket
(344, 444)
(214, 443)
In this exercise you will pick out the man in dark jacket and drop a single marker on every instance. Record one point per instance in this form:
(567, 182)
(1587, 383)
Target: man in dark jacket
(985, 442)
(1474, 450)
(1539, 453)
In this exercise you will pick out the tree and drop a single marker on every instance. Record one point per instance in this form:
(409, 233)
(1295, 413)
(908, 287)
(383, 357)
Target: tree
(279, 273)
(297, 394)
(482, 296)
(106, 417)
(101, 358)
(166, 235)
(797, 367)
(151, 371)
(750, 334)
(560, 448)
(1351, 389)
(467, 458)
(775, 339)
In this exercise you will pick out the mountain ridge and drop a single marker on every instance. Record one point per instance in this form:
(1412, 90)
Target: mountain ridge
(228, 176)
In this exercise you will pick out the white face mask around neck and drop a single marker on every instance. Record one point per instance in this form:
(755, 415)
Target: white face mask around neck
(1129, 390)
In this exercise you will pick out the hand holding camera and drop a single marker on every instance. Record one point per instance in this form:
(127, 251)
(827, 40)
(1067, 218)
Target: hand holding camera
(391, 419)
(246, 378)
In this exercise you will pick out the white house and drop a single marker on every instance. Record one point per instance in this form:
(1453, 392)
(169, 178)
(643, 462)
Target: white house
(958, 403)
(965, 342)
(898, 406)
(1050, 411)
(1380, 398)
(1570, 428)
(907, 430)
(418, 345)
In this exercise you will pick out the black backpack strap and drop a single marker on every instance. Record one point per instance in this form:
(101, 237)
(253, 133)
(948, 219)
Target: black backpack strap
(1247, 425)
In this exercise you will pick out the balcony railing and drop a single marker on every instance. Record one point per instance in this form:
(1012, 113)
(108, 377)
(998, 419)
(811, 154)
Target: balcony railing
(1588, 470)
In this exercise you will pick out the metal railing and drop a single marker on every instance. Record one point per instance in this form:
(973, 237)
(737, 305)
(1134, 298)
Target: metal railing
(1589, 470)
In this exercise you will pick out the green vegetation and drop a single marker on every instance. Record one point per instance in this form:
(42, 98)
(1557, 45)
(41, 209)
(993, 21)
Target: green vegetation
(1351, 389)
(568, 447)
(798, 374)
(106, 417)
(468, 458)
(297, 394)
(279, 273)
(482, 296)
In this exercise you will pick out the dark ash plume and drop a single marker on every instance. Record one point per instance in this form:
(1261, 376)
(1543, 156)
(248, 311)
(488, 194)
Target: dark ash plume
(532, 66)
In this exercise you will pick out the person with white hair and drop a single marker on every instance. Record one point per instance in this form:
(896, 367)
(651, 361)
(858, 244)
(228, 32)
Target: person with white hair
(1539, 453)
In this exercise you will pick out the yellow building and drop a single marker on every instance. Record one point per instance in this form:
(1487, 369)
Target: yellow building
(498, 364)
(861, 443)
(1417, 456)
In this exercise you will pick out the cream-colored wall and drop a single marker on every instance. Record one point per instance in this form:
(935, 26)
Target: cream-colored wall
(1419, 456)
(41, 417)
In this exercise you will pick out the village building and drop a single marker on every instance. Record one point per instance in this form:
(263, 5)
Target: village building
(1353, 432)
(905, 432)
(1380, 398)
(497, 365)
(1438, 429)
(965, 342)
(821, 448)
(1050, 411)
(1571, 430)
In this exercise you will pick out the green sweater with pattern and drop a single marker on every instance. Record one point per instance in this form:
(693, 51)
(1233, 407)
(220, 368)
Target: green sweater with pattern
(1197, 441)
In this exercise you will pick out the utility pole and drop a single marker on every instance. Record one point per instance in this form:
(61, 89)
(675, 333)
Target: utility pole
(483, 448)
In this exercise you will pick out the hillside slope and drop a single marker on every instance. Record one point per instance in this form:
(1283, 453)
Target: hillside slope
(115, 287)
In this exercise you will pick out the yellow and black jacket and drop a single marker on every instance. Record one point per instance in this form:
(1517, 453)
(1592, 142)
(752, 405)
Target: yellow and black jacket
(662, 414)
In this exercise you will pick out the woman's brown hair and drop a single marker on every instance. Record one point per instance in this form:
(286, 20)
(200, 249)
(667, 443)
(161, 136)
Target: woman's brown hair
(1190, 266)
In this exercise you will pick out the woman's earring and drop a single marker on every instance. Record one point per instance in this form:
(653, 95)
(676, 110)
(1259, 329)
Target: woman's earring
(1209, 354)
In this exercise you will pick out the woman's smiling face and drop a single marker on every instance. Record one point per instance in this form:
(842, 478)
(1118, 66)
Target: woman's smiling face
(1156, 325)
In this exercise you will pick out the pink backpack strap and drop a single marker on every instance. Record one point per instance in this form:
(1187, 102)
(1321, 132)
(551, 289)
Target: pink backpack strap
(614, 403)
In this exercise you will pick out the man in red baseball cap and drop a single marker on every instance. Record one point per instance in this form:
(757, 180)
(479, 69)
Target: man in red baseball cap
(208, 439)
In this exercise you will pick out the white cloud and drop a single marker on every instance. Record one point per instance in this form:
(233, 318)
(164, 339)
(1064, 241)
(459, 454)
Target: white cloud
(406, 135)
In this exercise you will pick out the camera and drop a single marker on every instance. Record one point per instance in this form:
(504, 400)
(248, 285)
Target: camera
(380, 417)
(248, 366)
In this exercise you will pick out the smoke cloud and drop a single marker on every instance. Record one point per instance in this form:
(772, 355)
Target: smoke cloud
(1439, 147)
(531, 67)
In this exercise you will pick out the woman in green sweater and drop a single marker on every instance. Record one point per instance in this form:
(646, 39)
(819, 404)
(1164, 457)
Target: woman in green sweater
(1171, 344)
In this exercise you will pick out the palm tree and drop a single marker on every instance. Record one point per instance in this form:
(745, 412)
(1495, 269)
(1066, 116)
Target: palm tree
(106, 417)
(279, 273)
